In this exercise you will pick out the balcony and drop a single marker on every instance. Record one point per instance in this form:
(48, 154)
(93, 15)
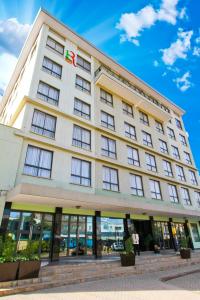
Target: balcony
(127, 91)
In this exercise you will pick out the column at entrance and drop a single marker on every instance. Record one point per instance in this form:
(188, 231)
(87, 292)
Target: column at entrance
(187, 233)
(128, 226)
(172, 242)
(55, 249)
(97, 243)
(5, 219)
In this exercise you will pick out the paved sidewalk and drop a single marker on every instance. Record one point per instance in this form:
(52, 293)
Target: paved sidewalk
(137, 287)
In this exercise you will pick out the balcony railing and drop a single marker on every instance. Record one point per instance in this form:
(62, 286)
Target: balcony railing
(131, 86)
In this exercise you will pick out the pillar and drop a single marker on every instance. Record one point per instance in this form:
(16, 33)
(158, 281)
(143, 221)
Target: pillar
(5, 219)
(97, 243)
(55, 248)
(187, 233)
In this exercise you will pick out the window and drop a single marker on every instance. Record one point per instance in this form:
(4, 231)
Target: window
(171, 133)
(187, 158)
(155, 189)
(163, 147)
(81, 172)
(38, 162)
(52, 67)
(186, 196)
(83, 64)
(193, 178)
(147, 141)
(81, 137)
(159, 127)
(81, 109)
(195, 232)
(180, 173)
(110, 179)
(178, 124)
(173, 193)
(182, 140)
(144, 118)
(167, 168)
(82, 84)
(51, 43)
(106, 97)
(43, 124)
(130, 131)
(136, 185)
(108, 147)
(197, 198)
(175, 152)
(133, 156)
(107, 120)
(151, 162)
(127, 109)
(48, 93)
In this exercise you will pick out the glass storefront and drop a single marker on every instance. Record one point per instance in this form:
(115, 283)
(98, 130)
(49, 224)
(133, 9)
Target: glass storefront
(31, 226)
(161, 234)
(178, 232)
(112, 233)
(76, 235)
(195, 232)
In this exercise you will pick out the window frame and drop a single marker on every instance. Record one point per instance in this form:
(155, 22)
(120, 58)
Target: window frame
(136, 189)
(80, 113)
(173, 198)
(162, 149)
(110, 183)
(180, 175)
(166, 170)
(128, 133)
(46, 98)
(56, 43)
(107, 124)
(146, 142)
(108, 151)
(144, 119)
(187, 201)
(81, 87)
(43, 128)
(50, 71)
(80, 176)
(105, 99)
(159, 127)
(125, 108)
(171, 133)
(77, 142)
(35, 166)
(131, 160)
(155, 192)
(151, 158)
(82, 66)
(177, 154)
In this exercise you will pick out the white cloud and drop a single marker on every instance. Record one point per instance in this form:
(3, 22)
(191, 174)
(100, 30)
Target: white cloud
(183, 14)
(196, 51)
(197, 40)
(155, 63)
(7, 63)
(183, 83)
(179, 48)
(134, 23)
(12, 35)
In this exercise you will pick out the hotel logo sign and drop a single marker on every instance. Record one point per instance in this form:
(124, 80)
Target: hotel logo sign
(70, 57)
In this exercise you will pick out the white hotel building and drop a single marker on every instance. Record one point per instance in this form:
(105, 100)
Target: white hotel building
(88, 152)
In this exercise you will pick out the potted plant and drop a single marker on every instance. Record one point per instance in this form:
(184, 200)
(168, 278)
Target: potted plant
(128, 258)
(8, 264)
(29, 263)
(185, 252)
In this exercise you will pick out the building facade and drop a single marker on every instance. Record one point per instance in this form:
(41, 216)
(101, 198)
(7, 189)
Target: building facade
(89, 153)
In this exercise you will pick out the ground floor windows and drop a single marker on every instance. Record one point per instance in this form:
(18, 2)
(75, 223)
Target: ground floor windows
(82, 234)
(34, 227)
(161, 234)
(76, 235)
(195, 232)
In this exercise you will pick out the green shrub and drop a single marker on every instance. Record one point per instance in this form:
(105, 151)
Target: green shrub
(7, 249)
(129, 245)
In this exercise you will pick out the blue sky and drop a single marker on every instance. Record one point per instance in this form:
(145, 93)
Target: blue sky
(157, 40)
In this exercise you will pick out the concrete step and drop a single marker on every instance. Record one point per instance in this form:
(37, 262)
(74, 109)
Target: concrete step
(55, 276)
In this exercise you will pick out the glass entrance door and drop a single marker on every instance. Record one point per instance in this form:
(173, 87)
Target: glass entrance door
(178, 233)
(76, 235)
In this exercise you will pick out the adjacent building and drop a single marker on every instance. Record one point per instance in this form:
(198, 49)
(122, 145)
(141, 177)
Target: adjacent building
(89, 152)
